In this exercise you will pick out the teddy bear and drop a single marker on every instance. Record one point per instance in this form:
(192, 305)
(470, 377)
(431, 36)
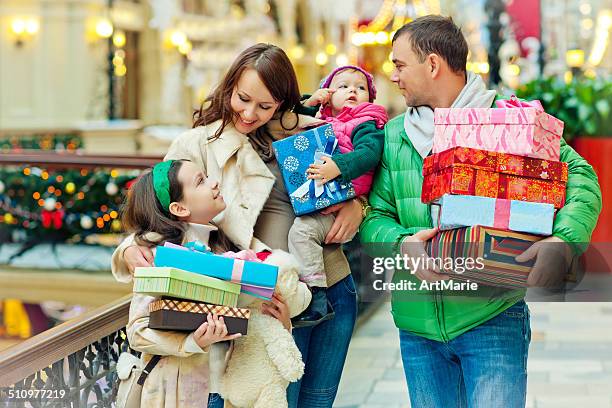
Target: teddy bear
(264, 362)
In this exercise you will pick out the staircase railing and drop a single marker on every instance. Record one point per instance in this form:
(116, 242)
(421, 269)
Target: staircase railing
(73, 364)
(70, 365)
(66, 160)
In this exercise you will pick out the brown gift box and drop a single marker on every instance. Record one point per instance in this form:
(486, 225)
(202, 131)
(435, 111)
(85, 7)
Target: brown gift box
(182, 315)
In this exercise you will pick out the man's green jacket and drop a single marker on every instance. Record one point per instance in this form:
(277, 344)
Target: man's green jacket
(397, 211)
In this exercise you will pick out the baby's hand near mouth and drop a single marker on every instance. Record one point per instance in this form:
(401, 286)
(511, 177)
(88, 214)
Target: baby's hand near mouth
(320, 97)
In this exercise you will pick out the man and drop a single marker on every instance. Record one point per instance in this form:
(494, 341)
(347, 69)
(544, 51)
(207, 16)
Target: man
(456, 352)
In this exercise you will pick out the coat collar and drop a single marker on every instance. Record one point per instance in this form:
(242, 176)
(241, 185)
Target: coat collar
(227, 144)
(199, 232)
(364, 111)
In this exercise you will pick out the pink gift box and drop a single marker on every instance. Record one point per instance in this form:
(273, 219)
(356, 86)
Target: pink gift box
(526, 131)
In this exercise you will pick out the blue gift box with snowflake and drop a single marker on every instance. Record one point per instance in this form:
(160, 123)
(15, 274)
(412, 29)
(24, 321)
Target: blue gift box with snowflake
(294, 154)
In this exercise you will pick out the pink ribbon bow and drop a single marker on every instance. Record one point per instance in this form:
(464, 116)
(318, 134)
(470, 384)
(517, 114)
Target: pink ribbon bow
(514, 102)
(239, 258)
(245, 255)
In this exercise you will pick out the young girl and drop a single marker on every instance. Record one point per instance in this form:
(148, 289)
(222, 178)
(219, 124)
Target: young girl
(178, 202)
(346, 97)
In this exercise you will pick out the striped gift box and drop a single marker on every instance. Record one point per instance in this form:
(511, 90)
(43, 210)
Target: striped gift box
(178, 314)
(177, 283)
(496, 248)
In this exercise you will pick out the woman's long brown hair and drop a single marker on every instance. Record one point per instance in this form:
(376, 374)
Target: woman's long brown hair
(274, 69)
(142, 213)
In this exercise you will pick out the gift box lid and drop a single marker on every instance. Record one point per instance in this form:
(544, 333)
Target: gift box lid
(181, 305)
(495, 162)
(217, 266)
(185, 276)
(522, 216)
(492, 116)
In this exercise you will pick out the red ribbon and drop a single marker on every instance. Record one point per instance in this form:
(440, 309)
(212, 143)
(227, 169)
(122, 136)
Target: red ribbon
(54, 218)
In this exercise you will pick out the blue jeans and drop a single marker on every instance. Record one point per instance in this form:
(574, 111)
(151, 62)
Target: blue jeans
(215, 401)
(324, 348)
(484, 367)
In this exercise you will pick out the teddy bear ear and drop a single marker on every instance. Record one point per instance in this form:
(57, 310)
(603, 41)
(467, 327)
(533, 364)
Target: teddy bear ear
(287, 282)
(288, 268)
(300, 299)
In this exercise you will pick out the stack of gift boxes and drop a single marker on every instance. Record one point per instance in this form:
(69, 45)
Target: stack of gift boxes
(496, 176)
(192, 283)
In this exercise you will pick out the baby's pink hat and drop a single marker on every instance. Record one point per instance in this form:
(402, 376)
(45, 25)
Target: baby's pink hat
(371, 88)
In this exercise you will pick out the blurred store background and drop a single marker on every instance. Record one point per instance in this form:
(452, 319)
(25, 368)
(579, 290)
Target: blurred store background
(93, 91)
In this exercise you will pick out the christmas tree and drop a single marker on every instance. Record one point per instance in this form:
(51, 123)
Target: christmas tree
(54, 205)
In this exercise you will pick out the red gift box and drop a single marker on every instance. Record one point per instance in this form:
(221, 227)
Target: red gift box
(469, 171)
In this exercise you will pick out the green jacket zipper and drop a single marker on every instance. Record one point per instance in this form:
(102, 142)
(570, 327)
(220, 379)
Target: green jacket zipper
(439, 315)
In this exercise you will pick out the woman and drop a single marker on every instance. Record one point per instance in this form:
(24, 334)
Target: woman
(231, 141)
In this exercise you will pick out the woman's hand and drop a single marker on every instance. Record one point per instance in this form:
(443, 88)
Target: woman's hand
(277, 308)
(213, 330)
(136, 255)
(348, 220)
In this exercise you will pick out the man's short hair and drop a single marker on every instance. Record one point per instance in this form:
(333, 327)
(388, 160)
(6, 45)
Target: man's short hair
(438, 35)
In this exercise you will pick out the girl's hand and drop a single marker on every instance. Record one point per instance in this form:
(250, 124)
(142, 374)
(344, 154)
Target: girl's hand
(320, 97)
(348, 220)
(213, 330)
(324, 172)
(136, 255)
(277, 308)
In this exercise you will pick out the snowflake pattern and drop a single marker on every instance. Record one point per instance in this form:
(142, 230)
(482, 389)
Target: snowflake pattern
(297, 178)
(301, 143)
(322, 203)
(300, 200)
(291, 163)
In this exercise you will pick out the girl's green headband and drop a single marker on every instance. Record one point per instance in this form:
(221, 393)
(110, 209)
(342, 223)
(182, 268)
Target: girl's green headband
(161, 183)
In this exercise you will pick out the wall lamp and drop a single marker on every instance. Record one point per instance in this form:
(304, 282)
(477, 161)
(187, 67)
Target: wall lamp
(24, 29)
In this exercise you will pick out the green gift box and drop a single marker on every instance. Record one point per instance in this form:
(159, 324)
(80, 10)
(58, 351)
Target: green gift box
(164, 281)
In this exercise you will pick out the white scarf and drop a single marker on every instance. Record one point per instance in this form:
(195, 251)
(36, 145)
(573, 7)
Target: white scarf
(419, 120)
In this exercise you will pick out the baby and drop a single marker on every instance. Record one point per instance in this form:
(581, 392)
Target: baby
(346, 97)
